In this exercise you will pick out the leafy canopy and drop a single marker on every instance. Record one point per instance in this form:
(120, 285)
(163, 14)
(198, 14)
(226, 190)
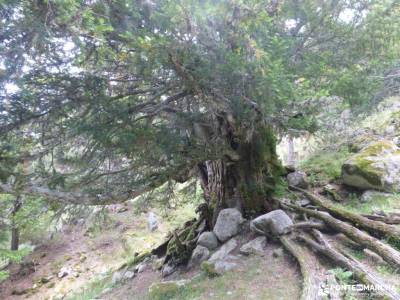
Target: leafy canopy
(118, 97)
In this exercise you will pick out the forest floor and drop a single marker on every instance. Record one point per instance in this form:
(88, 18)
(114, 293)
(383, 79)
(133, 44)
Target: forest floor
(92, 255)
(87, 253)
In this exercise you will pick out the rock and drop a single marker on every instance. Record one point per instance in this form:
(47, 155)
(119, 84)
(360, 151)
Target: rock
(152, 222)
(224, 250)
(208, 239)
(377, 166)
(167, 270)
(275, 222)
(228, 224)
(128, 275)
(298, 179)
(64, 271)
(165, 289)
(141, 267)
(277, 253)
(117, 277)
(371, 195)
(199, 255)
(255, 246)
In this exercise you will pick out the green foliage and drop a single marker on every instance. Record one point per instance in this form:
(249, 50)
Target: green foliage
(342, 275)
(117, 98)
(325, 166)
(3, 275)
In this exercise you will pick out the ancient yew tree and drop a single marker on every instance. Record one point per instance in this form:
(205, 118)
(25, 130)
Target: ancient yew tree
(115, 98)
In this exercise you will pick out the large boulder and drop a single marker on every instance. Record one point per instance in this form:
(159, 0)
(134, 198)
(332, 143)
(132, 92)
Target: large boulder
(208, 239)
(377, 166)
(228, 224)
(274, 223)
(298, 179)
(371, 196)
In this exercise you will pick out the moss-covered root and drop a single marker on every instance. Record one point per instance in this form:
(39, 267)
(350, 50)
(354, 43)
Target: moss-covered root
(309, 267)
(389, 254)
(374, 227)
(182, 242)
(359, 271)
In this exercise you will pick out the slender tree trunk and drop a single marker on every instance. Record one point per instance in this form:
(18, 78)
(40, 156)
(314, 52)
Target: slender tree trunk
(14, 225)
(291, 154)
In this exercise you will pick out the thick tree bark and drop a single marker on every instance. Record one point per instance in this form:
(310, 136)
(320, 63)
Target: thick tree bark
(389, 254)
(360, 272)
(374, 227)
(14, 226)
(245, 180)
(309, 267)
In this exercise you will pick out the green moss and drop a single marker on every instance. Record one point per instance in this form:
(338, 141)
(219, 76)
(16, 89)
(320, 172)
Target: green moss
(164, 290)
(325, 166)
(362, 163)
(209, 269)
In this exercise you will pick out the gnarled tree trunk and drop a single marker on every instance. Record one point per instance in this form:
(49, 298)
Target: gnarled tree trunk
(245, 181)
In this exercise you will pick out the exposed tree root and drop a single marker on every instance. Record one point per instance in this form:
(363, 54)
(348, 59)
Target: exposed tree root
(179, 245)
(392, 219)
(374, 227)
(389, 254)
(359, 271)
(306, 225)
(309, 267)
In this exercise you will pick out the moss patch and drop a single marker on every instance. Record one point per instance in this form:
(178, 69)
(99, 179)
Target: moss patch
(325, 167)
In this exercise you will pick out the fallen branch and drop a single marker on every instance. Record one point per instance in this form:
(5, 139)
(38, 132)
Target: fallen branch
(392, 219)
(359, 271)
(309, 267)
(389, 254)
(374, 227)
(305, 225)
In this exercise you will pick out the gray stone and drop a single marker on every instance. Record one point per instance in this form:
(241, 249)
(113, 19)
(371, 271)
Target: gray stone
(129, 275)
(117, 277)
(199, 255)
(228, 224)
(141, 267)
(275, 222)
(152, 222)
(208, 239)
(298, 179)
(255, 246)
(370, 195)
(224, 250)
(168, 269)
(64, 271)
